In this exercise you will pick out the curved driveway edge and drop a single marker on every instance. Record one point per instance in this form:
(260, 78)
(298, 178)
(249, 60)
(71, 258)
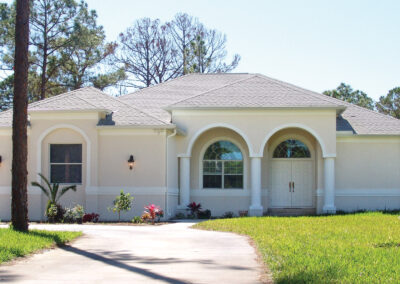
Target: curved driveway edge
(170, 253)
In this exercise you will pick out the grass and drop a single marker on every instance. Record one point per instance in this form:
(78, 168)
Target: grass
(16, 244)
(354, 248)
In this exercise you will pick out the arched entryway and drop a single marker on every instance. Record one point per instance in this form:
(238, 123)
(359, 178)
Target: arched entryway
(291, 174)
(292, 170)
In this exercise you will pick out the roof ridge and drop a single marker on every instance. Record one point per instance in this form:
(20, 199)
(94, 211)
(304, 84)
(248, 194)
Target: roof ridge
(294, 87)
(133, 107)
(156, 85)
(214, 89)
(90, 87)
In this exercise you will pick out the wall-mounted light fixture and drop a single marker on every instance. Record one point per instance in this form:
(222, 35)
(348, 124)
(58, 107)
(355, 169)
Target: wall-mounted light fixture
(131, 162)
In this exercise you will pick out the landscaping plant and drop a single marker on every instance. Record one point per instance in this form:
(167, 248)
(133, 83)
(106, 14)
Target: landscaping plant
(137, 220)
(74, 215)
(194, 208)
(53, 193)
(92, 217)
(152, 212)
(123, 202)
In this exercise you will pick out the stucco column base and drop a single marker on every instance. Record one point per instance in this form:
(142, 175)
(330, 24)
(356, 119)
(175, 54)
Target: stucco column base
(329, 209)
(256, 211)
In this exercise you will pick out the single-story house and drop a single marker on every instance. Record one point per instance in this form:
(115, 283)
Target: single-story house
(232, 142)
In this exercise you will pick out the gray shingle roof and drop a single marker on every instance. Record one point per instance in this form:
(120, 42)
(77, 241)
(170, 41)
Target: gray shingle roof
(86, 99)
(147, 107)
(253, 90)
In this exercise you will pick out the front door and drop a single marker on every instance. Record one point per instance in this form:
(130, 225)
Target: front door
(291, 176)
(291, 184)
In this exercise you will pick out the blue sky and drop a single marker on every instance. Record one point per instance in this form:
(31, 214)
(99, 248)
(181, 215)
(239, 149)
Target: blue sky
(315, 44)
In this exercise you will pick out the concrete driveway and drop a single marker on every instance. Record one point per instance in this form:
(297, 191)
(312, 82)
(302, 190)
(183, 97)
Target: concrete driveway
(171, 253)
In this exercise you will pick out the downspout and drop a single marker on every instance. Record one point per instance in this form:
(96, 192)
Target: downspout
(166, 171)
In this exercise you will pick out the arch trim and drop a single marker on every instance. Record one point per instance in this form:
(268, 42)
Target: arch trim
(223, 125)
(60, 126)
(300, 126)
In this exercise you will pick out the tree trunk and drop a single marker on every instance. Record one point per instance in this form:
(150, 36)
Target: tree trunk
(43, 78)
(19, 206)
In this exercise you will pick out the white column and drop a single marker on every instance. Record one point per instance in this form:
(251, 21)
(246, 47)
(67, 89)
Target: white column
(256, 208)
(184, 178)
(329, 185)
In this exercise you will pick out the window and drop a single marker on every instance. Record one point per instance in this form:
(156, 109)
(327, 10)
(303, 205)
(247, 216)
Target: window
(223, 166)
(66, 163)
(291, 149)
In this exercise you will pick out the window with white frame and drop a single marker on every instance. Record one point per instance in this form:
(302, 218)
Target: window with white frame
(66, 163)
(223, 166)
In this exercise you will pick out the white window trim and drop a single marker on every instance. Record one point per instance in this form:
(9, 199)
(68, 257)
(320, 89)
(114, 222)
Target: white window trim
(285, 137)
(245, 162)
(79, 164)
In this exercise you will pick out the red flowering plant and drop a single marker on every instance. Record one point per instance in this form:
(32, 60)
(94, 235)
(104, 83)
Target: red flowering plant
(153, 213)
(194, 208)
(92, 217)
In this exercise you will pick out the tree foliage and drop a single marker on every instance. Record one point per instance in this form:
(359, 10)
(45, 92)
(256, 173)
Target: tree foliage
(122, 202)
(345, 93)
(67, 49)
(152, 52)
(390, 104)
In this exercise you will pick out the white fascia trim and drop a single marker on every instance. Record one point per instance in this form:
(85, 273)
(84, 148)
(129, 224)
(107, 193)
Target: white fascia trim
(69, 111)
(115, 190)
(384, 192)
(129, 131)
(344, 133)
(166, 126)
(172, 108)
(369, 139)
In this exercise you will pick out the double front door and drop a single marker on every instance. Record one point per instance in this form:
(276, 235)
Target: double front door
(291, 183)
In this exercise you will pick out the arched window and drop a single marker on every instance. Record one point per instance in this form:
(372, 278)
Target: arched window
(291, 148)
(223, 166)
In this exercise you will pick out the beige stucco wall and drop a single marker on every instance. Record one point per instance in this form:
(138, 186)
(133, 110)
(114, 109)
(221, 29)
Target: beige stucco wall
(256, 126)
(367, 168)
(5, 173)
(148, 149)
(367, 173)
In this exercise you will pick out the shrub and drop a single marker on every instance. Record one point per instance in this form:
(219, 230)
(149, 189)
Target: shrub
(228, 214)
(79, 213)
(154, 212)
(180, 215)
(53, 193)
(122, 202)
(137, 220)
(204, 214)
(194, 208)
(92, 217)
(74, 214)
(54, 212)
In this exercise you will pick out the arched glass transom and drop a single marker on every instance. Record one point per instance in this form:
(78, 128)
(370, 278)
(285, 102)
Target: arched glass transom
(223, 166)
(291, 148)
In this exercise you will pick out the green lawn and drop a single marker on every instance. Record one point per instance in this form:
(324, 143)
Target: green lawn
(15, 244)
(356, 248)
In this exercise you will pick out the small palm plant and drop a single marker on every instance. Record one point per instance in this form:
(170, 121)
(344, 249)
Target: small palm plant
(53, 193)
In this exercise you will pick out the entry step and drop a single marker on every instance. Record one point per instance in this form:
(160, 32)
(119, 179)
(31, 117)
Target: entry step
(291, 211)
